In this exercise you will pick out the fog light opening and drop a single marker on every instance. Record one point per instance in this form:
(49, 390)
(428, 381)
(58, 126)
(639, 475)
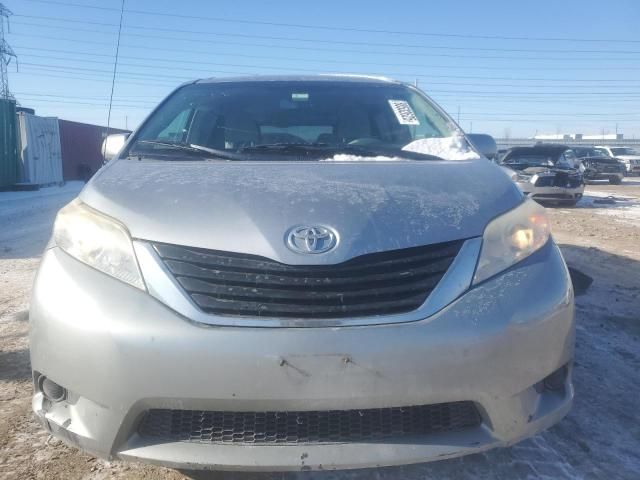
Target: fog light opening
(51, 390)
(556, 380)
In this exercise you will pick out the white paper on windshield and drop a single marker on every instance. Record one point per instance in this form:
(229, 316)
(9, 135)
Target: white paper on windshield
(404, 112)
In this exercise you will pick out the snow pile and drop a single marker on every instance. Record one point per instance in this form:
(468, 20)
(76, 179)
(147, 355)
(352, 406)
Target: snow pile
(448, 148)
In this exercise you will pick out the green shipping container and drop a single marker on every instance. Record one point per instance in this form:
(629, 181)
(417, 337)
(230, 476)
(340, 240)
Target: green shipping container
(8, 145)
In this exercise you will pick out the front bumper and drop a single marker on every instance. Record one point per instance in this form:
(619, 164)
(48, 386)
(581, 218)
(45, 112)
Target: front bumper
(120, 353)
(552, 194)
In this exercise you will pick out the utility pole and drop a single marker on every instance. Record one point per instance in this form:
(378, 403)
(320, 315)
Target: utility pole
(458, 115)
(6, 53)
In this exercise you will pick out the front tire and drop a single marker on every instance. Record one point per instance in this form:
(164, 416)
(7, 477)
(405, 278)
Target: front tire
(615, 180)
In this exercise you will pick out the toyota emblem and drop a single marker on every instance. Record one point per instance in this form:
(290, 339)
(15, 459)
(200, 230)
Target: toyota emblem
(312, 239)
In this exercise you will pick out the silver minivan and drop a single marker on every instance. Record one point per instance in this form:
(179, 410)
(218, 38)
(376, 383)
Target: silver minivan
(284, 273)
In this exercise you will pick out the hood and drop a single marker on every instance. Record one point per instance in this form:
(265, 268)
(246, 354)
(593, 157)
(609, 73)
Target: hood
(628, 157)
(249, 207)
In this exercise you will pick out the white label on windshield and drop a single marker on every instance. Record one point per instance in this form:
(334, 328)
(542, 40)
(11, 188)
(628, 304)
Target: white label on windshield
(404, 112)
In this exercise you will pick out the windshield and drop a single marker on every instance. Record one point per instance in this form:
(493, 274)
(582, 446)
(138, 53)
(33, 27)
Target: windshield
(602, 151)
(588, 152)
(247, 116)
(623, 151)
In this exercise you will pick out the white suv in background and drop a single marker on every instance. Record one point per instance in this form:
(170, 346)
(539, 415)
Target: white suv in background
(628, 156)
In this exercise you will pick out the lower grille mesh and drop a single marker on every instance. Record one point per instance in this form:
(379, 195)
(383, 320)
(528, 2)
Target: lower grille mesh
(329, 426)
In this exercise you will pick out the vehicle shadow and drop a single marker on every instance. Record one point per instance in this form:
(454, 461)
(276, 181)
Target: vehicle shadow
(599, 437)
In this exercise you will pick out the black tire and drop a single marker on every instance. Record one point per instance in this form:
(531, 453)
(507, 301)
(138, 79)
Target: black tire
(615, 180)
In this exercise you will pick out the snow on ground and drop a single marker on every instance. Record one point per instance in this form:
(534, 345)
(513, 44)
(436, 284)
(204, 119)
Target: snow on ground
(26, 218)
(621, 207)
(10, 198)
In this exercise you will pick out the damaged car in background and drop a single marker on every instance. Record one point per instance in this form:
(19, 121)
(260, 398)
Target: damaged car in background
(628, 156)
(547, 173)
(599, 166)
(294, 273)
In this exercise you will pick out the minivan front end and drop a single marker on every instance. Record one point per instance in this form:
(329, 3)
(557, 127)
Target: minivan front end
(286, 313)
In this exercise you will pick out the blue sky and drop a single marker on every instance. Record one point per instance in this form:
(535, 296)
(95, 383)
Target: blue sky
(538, 71)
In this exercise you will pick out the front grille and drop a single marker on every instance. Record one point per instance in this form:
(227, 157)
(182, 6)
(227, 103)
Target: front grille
(383, 283)
(560, 179)
(329, 426)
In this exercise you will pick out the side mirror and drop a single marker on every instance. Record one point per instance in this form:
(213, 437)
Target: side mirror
(484, 144)
(112, 144)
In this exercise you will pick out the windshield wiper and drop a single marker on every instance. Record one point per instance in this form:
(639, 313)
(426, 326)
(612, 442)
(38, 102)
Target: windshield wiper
(308, 149)
(318, 150)
(190, 148)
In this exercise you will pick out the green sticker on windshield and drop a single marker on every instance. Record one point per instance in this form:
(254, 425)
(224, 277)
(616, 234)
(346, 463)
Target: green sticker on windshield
(299, 97)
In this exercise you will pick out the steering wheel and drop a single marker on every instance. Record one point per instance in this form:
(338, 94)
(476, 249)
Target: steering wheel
(365, 141)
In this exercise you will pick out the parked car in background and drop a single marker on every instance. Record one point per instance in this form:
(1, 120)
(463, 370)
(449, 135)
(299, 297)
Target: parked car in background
(293, 273)
(628, 156)
(598, 166)
(548, 173)
(501, 153)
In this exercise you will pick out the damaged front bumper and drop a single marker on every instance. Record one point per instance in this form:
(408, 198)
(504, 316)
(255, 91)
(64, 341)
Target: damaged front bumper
(120, 354)
(557, 188)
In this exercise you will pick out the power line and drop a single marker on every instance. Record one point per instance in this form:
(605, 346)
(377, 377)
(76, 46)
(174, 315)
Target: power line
(311, 60)
(324, 41)
(475, 92)
(93, 77)
(84, 77)
(335, 27)
(102, 104)
(537, 120)
(206, 72)
(91, 97)
(115, 65)
(315, 49)
(469, 116)
(149, 103)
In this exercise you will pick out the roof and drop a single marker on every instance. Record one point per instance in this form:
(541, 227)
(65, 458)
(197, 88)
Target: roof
(302, 78)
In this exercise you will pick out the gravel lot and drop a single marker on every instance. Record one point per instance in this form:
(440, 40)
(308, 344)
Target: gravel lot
(599, 439)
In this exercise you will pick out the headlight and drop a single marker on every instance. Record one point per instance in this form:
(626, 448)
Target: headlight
(512, 237)
(98, 241)
(523, 177)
